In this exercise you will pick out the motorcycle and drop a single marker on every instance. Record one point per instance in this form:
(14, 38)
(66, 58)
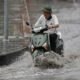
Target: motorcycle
(44, 41)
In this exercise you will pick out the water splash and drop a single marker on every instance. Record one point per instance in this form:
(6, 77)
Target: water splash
(49, 60)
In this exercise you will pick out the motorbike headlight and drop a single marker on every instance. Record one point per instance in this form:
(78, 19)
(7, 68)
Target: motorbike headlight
(32, 48)
(45, 46)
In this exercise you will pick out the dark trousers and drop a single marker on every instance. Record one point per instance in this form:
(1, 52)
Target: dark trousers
(53, 38)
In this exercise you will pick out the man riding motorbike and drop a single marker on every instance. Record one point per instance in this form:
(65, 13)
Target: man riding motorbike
(45, 36)
(49, 20)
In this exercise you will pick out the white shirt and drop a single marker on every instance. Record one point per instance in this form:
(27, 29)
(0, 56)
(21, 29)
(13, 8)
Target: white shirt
(42, 21)
(53, 21)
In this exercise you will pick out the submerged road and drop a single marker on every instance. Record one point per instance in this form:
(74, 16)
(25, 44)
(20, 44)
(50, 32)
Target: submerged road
(69, 18)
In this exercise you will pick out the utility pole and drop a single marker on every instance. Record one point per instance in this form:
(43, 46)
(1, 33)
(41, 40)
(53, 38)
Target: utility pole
(5, 20)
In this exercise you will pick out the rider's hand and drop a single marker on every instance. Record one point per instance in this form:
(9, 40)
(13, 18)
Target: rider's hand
(50, 26)
(53, 26)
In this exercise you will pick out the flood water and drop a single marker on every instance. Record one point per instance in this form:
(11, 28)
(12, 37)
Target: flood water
(69, 18)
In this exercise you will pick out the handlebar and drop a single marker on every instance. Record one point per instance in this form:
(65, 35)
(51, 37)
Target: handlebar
(39, 30)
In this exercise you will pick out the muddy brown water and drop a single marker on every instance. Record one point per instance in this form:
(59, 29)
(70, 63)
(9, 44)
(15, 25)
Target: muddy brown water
(69, 18)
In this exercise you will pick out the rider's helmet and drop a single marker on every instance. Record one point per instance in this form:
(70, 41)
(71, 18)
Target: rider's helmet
(47, 9)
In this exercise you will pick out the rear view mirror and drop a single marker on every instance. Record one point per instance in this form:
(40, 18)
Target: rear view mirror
(27, 23)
